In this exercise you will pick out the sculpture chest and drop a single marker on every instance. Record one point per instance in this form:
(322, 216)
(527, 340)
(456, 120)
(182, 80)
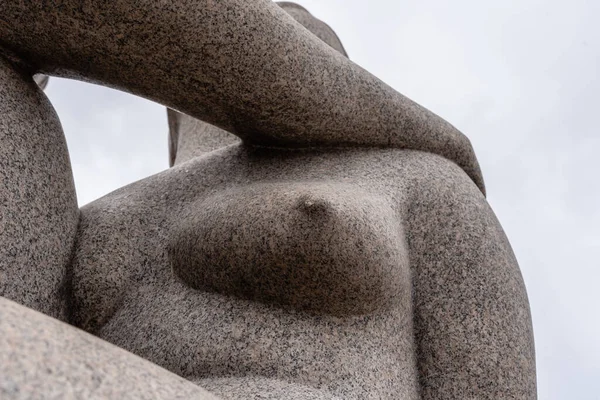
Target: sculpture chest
(320, 247)
(303, 281)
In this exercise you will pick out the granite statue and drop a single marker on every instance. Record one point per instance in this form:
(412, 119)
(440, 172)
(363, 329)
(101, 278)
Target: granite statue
(318, 235)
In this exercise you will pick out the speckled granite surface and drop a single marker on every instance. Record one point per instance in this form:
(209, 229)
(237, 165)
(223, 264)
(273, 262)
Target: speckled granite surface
(245, 66)
(201, 137)
(152, 277)
(283, 273)
(38, 208)
(42, 358)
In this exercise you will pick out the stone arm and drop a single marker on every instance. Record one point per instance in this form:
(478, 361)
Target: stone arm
(242, 65)
(471, 314)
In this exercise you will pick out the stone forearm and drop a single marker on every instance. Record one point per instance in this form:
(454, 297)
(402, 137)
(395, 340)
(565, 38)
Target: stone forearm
(245, 66)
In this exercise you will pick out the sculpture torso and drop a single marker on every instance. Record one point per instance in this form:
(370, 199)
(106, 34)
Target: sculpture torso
(254, 272)
(336, 315)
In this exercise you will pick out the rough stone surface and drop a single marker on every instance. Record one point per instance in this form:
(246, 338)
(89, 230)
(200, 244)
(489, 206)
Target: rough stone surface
(256, 272)
(252, 315)
(245, 66)
(42, 358)
(200, 137)
(38, 207)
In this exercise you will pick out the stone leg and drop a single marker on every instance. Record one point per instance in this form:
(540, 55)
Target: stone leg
(473, 329)
(42, 358)
(38, 206)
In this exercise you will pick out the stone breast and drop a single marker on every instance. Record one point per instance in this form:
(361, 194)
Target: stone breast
(318, 247)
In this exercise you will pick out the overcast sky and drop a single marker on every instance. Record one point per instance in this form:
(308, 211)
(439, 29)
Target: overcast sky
(519, 78)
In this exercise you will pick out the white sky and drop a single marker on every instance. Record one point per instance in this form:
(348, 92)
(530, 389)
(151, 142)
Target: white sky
(519, 78)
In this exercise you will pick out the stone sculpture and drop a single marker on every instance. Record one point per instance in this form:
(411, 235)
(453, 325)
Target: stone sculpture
(342, 249)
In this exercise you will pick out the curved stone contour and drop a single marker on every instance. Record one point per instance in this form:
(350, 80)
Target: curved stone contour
(464, 322)
(38, 207)
(42, 358)
(263, 273)
(355, 261)
(245, 66)
(201, 137)
(280, 329)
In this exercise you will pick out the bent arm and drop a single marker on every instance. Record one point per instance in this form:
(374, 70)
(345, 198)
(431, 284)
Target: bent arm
(245, 66)
(472, 321)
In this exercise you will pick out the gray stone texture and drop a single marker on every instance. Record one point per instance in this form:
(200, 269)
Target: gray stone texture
(42, 358)
(38, 207)
(245, 66)
(356, 259)
(200, 137)
(460, 328)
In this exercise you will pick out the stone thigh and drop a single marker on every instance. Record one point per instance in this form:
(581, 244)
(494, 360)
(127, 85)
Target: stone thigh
(38, 206)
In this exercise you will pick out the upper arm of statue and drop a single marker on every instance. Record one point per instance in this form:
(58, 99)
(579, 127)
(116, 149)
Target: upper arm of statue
(471, 314)
(243, 65)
